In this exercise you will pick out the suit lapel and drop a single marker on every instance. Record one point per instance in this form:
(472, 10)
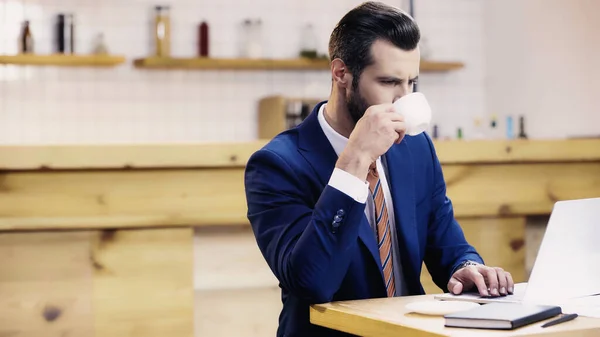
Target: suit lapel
(402, 187)
(316, 149)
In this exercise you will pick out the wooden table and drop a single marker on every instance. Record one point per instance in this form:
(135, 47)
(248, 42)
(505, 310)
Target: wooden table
(389, 317)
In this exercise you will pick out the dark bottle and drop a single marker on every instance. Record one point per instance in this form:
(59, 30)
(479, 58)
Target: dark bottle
(65, 34)
(522, 133)
(26, 41)
(71, 30)
(203, 39)
(435, 132)
(60, 34)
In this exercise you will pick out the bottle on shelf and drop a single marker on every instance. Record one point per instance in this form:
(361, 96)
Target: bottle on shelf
(255, 47)
(71, 33)
(203, 39)
(436, 131)
(510, 134)
(244, 38)
(522, 134)
(162, 31)
(26, 40)
(494, 132)
(100, 45)
(308, 48)
(251, 41)
(60, 34)
(65, 34)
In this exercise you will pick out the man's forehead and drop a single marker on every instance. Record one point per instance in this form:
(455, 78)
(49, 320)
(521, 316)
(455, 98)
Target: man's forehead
(389, 58)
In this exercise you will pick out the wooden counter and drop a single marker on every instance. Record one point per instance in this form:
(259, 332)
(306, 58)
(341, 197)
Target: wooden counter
(221, 155)
(99, 240)
(57, 187)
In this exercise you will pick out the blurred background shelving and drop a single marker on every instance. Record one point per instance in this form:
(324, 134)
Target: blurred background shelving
(63, 60)
(263, 64)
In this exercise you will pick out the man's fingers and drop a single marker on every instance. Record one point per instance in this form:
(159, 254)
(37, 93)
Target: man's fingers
(479, 281)
(387, 107)
(492, 279)
(455, 286)
(400, 129)
(396, 117)
(391, 112)
(399, 126)
(502, 281)
(510, 283)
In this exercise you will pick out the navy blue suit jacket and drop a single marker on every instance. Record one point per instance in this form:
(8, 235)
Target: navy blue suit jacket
(317, 259)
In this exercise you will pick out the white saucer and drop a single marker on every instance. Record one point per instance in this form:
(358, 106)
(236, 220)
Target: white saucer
(439, 308)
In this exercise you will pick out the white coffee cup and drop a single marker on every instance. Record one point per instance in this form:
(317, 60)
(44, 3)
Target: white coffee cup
(416, 112)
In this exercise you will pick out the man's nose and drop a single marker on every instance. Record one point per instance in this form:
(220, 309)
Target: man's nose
(402, 90)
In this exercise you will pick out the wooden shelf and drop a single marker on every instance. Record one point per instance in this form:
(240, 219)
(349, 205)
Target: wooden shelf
(231, 64)
(263, 64)
(63, 60)
(432, 66)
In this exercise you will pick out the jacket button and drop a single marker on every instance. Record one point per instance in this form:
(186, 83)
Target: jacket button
(337, 218)
(334, 226)
(340, 212)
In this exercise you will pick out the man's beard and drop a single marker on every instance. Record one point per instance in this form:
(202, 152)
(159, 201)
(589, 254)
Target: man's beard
(356, 104)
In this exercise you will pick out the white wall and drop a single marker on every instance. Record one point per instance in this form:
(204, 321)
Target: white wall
(542, 61)
(42, 105)
(454, 32)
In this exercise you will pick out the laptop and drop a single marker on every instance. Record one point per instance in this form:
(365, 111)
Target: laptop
(567, 266)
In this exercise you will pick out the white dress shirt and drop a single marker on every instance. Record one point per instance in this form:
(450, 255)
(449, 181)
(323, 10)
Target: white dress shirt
(359, 191)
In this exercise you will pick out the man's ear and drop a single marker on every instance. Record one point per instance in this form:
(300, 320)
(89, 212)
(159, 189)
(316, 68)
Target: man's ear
(340, 74)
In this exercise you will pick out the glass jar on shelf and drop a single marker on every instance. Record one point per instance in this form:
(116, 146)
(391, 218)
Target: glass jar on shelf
(251, 39)
(162, 31)
(309, 44)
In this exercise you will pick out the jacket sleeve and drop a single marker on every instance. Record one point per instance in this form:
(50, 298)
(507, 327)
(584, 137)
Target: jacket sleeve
(308, 247)
(446, 247)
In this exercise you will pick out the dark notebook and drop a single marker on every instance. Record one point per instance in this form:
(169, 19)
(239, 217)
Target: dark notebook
(504, 316)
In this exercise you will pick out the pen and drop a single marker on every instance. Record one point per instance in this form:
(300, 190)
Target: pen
(562, 319)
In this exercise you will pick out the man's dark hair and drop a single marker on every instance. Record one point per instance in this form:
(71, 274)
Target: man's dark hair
(353, 36)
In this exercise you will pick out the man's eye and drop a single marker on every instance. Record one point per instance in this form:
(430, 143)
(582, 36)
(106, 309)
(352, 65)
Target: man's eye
(388, 82)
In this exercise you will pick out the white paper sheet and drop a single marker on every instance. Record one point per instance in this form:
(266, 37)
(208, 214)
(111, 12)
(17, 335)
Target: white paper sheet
(516, 297)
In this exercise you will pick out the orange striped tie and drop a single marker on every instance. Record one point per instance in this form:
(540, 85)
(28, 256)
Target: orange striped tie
(384, 238)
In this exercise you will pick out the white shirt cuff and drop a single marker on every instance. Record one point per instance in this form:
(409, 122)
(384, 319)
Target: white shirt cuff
(349, 185)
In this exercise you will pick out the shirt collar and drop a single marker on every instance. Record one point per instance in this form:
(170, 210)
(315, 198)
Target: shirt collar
(337, 141)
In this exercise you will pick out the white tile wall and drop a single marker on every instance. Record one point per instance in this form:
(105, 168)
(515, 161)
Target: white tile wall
(545, 67)
(453, 30)
(48, 105)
